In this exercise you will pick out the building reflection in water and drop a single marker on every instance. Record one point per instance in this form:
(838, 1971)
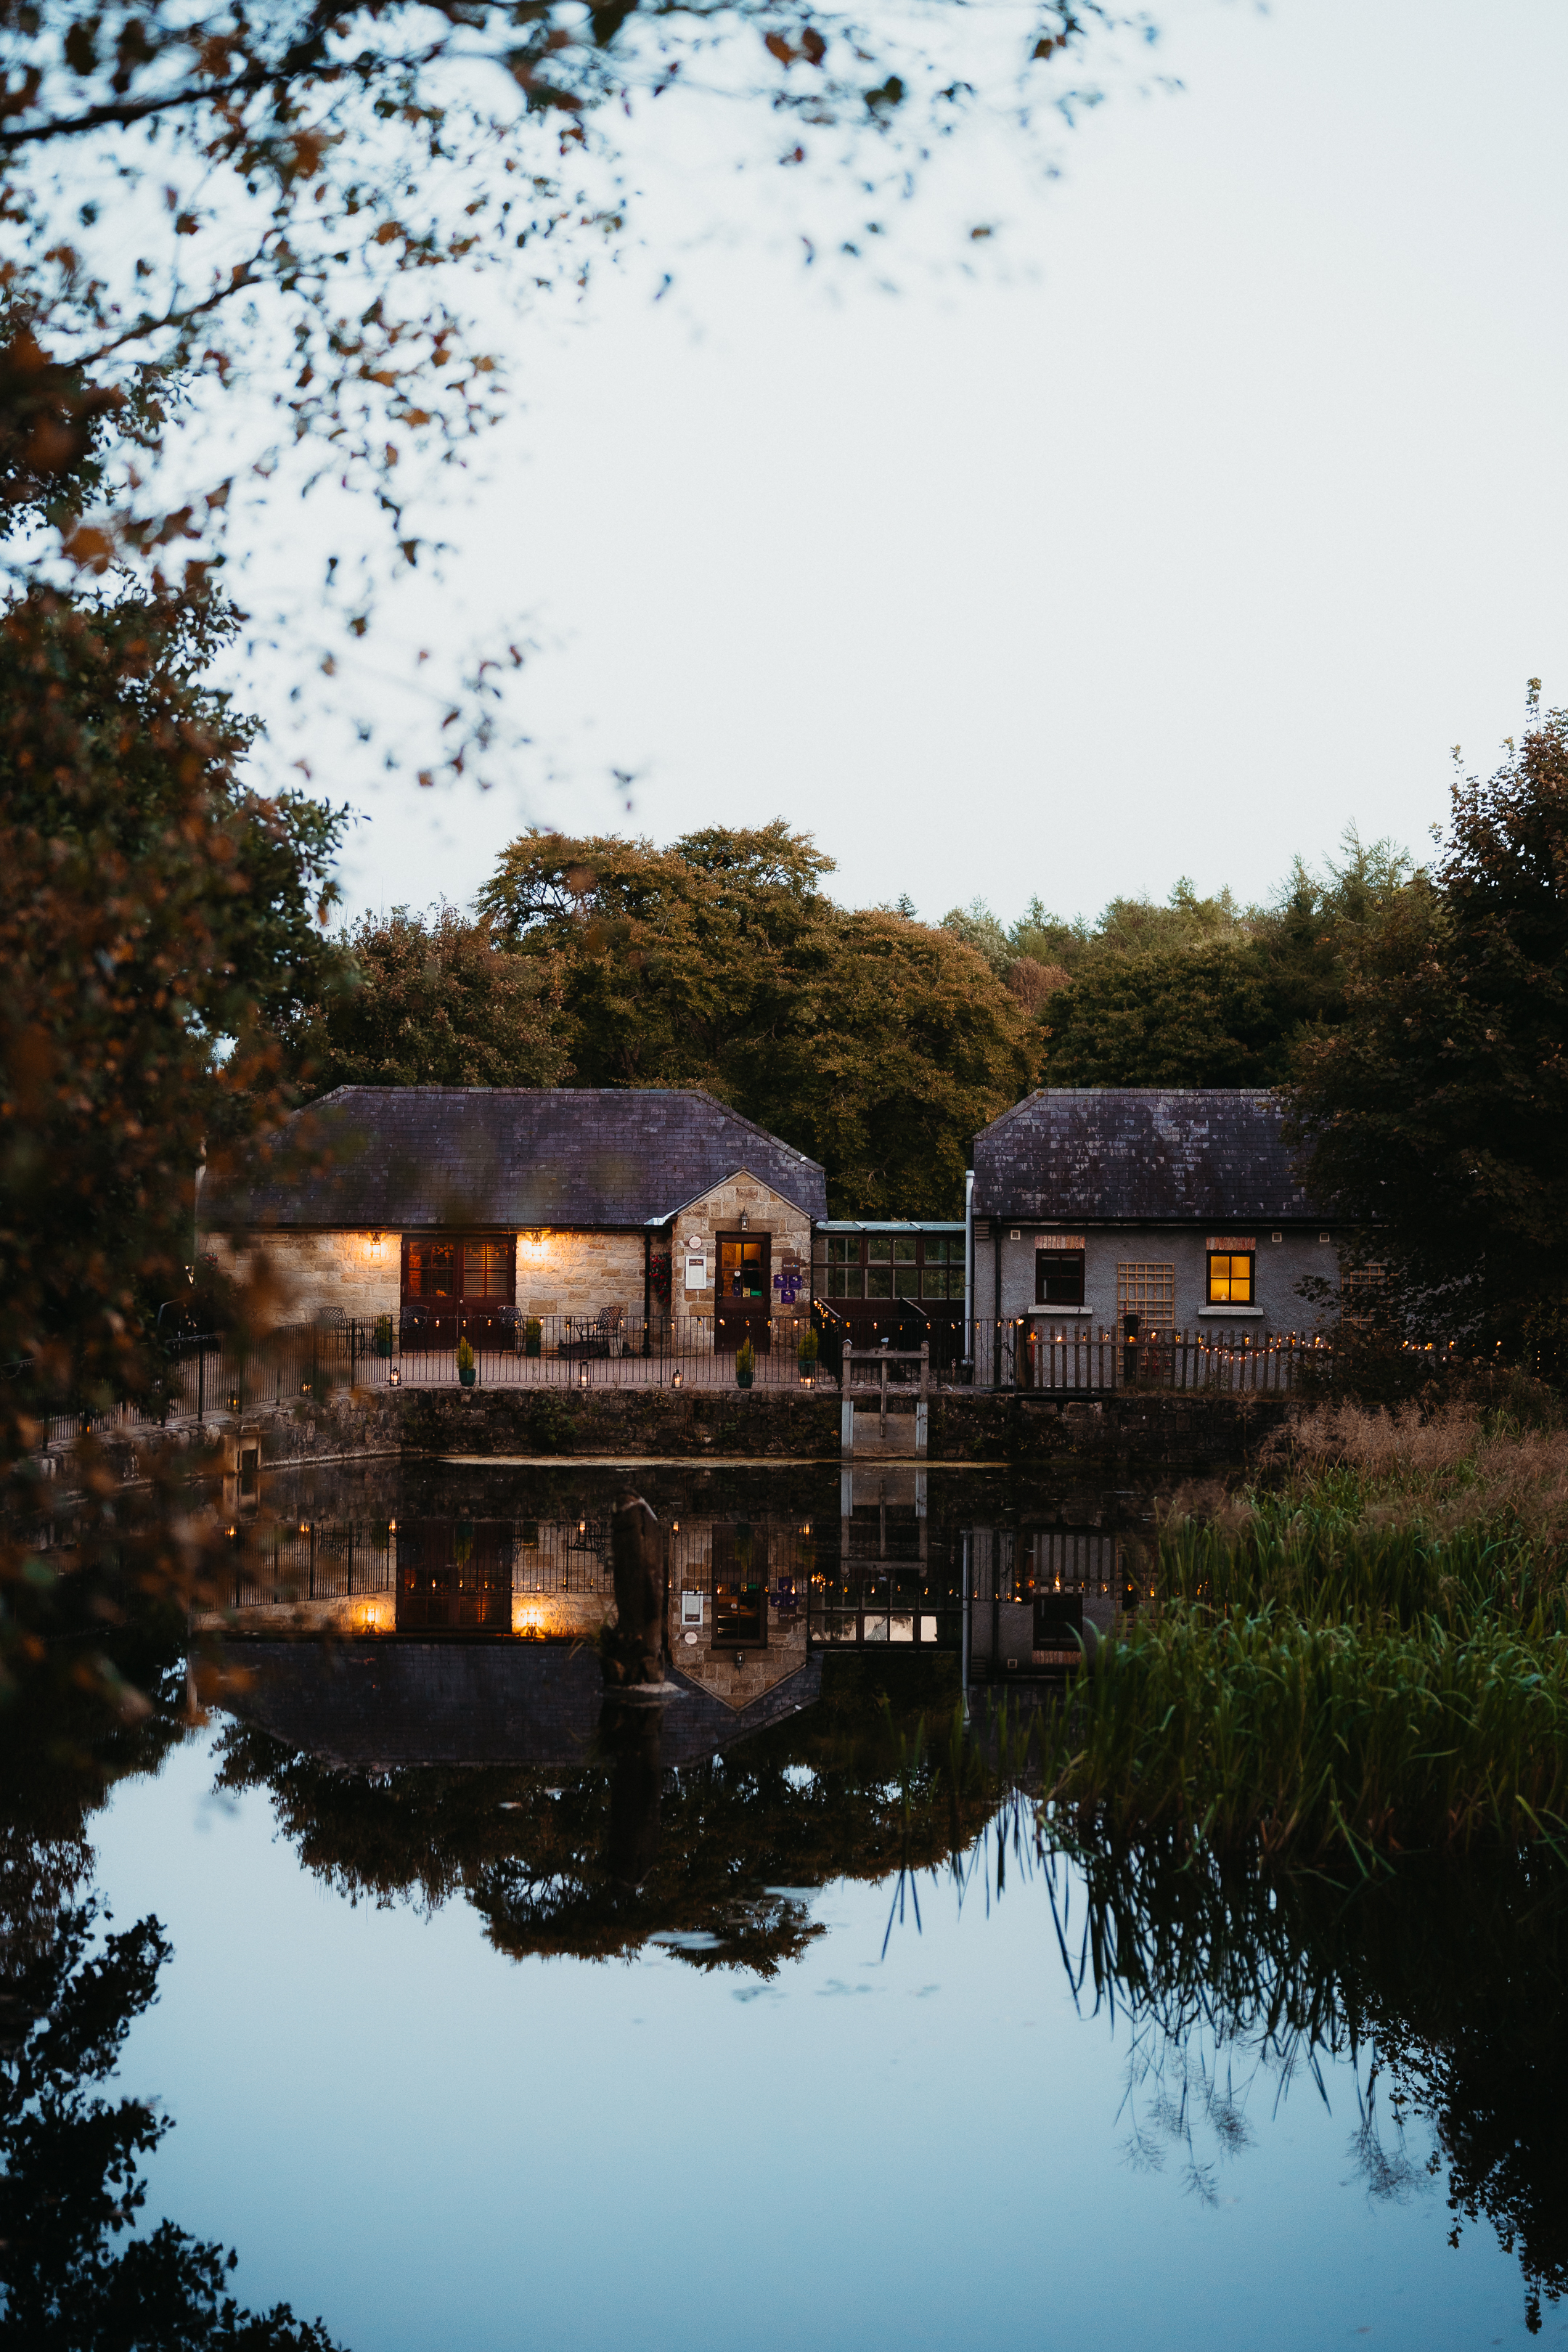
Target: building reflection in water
(753, 1592)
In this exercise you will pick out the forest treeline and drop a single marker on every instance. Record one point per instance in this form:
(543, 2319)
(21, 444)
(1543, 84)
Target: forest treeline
(876, 1043)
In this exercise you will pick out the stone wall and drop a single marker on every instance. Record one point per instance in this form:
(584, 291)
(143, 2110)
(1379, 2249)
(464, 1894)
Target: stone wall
(1182, 1434)
(566, 1273)
(318, 1272)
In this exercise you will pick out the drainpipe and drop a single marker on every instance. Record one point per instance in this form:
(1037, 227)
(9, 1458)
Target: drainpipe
(968, 1255)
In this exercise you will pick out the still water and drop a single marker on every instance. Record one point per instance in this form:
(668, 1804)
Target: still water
(780, 2042)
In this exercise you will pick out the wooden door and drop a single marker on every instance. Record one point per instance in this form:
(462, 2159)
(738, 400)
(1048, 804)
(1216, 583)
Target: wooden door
(742, 1301)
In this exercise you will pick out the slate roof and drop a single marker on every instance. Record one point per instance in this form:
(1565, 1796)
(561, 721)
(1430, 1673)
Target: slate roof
(410, 1156)
(1201, 1155)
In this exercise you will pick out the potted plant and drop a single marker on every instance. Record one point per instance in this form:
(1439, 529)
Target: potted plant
(745, 1364)
(807, 1351)
(534, 1337)
(468, 1370)
(384, 1335)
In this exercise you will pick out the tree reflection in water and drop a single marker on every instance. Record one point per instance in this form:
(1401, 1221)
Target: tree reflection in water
(716, 1859)
(1445, 1981)
(76, 2273)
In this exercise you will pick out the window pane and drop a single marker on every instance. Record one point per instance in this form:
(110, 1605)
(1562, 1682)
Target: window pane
(1058, 1278)
(1230, 1281)
(879, 1285)
(432, 1270)
(879, 1249)
(933, 1282)
(903, 1249)
(845, 1282)
(844, 1249)
(955, 1282)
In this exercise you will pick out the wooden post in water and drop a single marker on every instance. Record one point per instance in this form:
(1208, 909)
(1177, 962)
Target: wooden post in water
(633, 1649)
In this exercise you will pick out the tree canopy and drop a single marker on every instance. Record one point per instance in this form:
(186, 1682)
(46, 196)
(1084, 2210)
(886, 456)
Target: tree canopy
(433, 1004)
(877, 1044)
(1196, 993)
(1433, 1113)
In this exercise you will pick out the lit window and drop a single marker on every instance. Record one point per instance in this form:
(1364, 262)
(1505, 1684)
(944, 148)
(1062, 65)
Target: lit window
(432, 1270)
(487, 1269)
(1230, 1279)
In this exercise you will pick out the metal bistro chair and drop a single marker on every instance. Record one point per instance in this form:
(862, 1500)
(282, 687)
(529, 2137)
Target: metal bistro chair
(596, 1335)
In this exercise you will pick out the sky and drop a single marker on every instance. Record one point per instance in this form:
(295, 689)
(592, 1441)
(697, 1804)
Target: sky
(1200, 524)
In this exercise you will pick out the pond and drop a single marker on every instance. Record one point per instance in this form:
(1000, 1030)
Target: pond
(765, 2017)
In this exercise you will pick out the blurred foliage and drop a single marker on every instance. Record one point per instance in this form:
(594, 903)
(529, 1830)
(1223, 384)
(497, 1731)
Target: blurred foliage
(298, 227)
(161, 933)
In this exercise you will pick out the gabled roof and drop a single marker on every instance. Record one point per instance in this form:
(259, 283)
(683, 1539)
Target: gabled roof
(405, 1157)
(1202, 1155)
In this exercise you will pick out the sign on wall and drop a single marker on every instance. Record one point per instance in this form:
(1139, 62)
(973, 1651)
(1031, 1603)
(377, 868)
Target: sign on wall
(696, 1271)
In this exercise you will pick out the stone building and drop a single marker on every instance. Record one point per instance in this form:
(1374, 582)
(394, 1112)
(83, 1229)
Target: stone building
(1179, 1206)
(476, 1208)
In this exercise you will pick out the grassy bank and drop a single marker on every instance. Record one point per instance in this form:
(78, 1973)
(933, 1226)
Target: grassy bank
(1365, 1654)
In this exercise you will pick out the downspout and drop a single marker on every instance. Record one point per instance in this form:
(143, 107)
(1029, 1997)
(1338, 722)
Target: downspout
(969, 1259)
(996, 1327)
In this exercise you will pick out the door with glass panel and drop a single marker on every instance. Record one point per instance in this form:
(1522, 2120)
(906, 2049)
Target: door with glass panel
(743, 1303)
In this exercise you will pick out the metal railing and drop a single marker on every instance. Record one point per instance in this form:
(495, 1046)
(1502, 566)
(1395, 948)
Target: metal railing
(209, 1375)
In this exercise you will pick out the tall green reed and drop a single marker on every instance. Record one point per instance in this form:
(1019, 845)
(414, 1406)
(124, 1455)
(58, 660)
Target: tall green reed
(1350, 1666)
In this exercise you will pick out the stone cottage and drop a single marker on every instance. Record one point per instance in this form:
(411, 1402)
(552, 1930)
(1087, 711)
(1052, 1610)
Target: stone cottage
(1181, 1207)
(474, 1208)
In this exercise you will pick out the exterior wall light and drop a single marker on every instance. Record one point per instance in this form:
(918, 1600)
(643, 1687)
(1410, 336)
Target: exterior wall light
(745, 1222)
(377, 1248)
(395, 1377)
(676, 1379)
(582, 1376)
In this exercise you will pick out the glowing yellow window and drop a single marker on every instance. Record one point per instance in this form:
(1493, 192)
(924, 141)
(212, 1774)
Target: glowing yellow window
(1230, 1279)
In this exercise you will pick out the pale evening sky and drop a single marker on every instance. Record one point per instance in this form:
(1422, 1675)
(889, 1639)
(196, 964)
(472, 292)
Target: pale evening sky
(1203, 524)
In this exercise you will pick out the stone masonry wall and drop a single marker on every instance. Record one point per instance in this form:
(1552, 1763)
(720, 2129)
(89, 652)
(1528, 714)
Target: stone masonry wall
(563, 1273)
(1184, 1434)
(317, 1272)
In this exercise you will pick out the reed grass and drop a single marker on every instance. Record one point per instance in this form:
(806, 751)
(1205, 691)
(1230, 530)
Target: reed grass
(1367, 1657)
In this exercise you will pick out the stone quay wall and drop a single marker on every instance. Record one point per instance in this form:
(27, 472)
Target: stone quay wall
(1183, 1435)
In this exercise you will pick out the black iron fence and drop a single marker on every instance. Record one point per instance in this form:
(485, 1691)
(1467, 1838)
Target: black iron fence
(210, 1376)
